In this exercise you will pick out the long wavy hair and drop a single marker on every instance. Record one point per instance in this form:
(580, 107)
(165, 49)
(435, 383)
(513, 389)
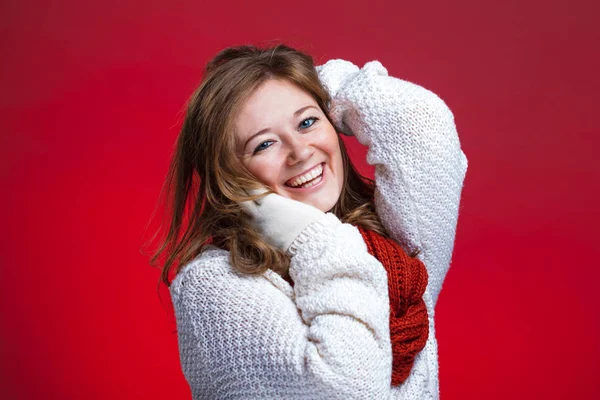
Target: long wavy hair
(205, 175)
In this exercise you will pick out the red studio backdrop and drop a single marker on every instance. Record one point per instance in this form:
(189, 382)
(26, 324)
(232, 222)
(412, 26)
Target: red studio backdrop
(91, 103)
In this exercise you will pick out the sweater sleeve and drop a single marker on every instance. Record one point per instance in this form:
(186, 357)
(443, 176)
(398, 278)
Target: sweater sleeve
(413, 143)
(241, 337)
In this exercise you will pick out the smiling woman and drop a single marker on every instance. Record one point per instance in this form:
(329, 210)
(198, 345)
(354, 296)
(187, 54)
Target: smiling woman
(292, 278)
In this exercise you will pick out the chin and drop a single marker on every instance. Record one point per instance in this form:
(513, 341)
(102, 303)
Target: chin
(321, 203)
(325, 206)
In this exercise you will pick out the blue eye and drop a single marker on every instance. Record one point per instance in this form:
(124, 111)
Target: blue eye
(303, 125)
(259, 148)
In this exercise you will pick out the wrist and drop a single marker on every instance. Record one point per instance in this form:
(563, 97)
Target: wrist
(315, 229)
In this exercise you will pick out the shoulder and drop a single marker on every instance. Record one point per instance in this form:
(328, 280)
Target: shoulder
(209, 266)
(211, 279)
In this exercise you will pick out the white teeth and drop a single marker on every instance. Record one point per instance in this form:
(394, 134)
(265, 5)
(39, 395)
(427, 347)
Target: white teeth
(318, 170)
(311, 184)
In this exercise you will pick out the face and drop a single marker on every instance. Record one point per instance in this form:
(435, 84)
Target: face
(281, 135)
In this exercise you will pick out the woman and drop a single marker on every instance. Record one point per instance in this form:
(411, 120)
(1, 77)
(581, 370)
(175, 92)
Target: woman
(293, 279)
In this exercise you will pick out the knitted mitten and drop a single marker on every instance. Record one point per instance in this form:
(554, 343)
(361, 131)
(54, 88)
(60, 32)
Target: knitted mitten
(279, 219)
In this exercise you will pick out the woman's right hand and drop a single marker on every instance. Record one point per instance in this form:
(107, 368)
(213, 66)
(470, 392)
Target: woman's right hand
(279, 219)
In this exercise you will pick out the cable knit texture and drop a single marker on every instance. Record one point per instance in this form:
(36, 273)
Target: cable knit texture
(328, 337)
(407, 279)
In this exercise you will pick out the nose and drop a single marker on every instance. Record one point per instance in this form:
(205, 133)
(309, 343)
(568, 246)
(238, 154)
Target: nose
(299, 149)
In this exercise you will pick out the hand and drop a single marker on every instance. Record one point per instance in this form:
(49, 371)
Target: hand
(343, 80)
(332, 75)
(279, 219)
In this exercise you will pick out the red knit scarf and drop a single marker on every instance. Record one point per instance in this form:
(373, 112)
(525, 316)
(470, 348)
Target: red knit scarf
(407, 279)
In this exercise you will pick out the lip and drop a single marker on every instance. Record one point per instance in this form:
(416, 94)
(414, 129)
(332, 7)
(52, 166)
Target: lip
(312, 187)
(309, 169)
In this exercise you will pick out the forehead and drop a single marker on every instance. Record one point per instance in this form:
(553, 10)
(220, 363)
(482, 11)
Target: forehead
(271, 103)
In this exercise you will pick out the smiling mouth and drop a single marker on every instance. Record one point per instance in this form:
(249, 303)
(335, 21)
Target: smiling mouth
(310, 183)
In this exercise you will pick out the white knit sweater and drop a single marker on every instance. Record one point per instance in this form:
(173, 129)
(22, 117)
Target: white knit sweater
(257, 337)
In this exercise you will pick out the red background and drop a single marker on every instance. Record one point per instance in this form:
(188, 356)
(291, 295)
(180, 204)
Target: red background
(91, 104)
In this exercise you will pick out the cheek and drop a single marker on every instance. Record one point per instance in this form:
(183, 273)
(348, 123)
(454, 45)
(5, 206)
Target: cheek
(336, 153)
(265, 170)
(338, 163)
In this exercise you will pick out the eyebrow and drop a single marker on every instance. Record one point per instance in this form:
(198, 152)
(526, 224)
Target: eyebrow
(296, 113)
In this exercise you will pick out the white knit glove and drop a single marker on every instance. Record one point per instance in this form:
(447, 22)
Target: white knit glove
(279, 219)
(339, 77)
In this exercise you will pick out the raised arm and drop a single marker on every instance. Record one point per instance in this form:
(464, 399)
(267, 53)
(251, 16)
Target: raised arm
(242, 337)
(413, 143)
